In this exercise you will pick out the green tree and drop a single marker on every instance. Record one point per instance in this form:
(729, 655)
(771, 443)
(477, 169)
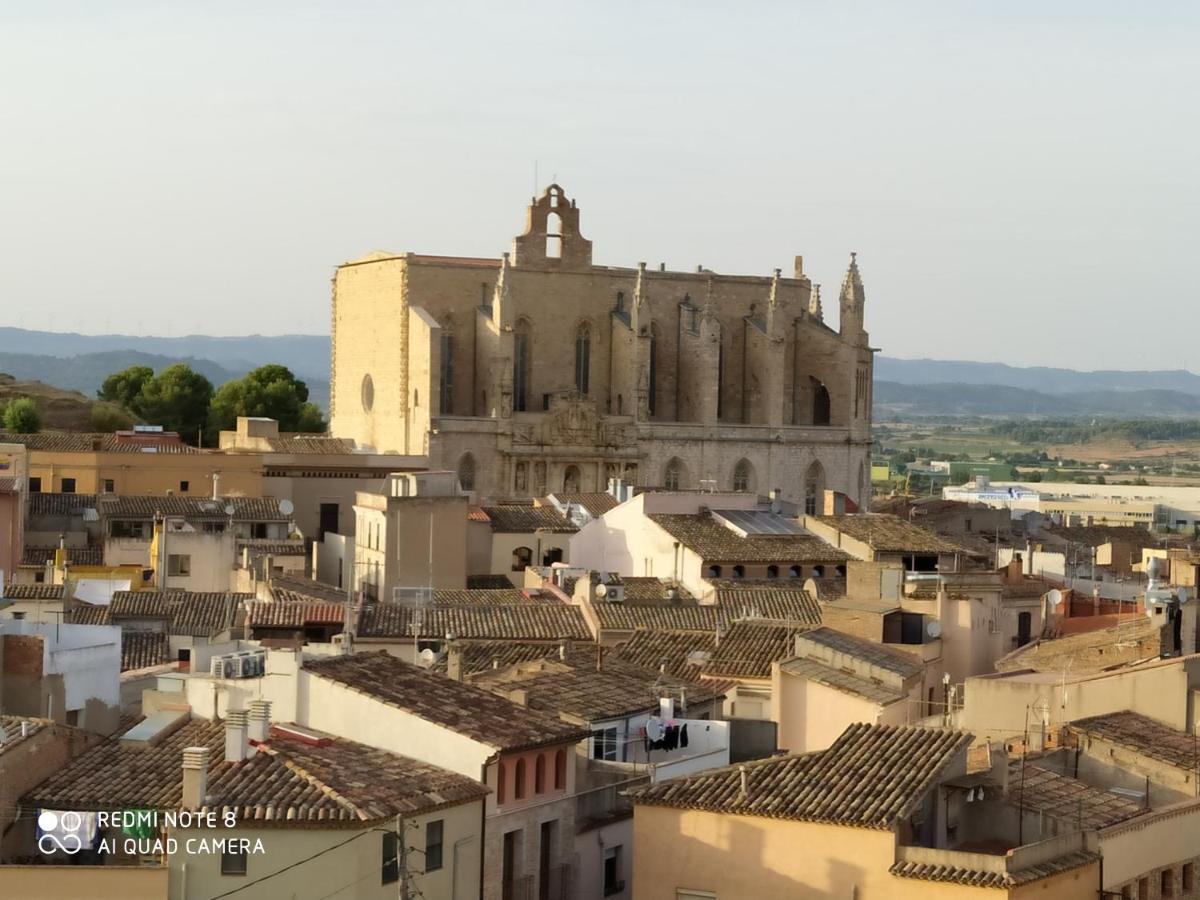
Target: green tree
(125, 387)
(21, 416)
(271, 391)
(107, 417)
(177, 398)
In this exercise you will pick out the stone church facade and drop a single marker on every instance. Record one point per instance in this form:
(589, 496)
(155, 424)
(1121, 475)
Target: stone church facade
(540, 372)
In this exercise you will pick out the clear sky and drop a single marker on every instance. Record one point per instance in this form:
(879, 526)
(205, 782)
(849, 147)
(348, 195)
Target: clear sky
(1021, 185)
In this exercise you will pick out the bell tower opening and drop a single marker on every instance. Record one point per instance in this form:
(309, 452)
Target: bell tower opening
(551, 237)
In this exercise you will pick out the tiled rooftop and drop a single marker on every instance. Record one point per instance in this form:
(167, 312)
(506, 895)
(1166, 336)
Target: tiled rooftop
(1090, 651)
(462, 708)
(99, 442)
(671, 650)
(12, 730)
(903, 664)
(87, 614)
(298, 588)
(1142, 735)
(33, 591)
(686, 616)
(748, 648)
(142, 649)
(139, 605)
(483, 656)
(502, 596)
(37, 557)
(595, 504)
(527, 519)
(320, 444)
(245, 509)
(1065, 798)
(716, 543)
(483, 621)
(284, 614)
(890, 534)
(48, 504)
(953, 874)
(330, 781)
(840, 680)
(778, 601)
(195, 613)
(271, 548)
(871, 777)
(577, 688)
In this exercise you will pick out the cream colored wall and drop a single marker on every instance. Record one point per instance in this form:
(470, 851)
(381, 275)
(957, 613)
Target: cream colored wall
(93, 882)
(353, 868)
(738, 857)
(503, 546)
(212, 561)
(812, 716)
(150, 473)
(1153, 842)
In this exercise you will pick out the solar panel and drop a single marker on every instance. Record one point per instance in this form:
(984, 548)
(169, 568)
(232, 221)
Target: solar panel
(758, 522)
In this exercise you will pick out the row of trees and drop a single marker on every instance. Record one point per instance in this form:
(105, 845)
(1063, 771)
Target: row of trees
(181, 399)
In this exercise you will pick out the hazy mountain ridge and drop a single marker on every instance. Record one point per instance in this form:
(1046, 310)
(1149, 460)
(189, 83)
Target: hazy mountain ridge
(1043, 379)
(894, 399)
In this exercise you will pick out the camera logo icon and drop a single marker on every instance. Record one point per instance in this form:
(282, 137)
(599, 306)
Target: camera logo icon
(60, 832)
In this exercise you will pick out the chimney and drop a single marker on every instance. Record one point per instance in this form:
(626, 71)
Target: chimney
(216, 486)
(260, 720)
(237, 747)
(745, 787)
(519, 696)
(599, 657)
(562, 650)
(454, 662)
(195, 777)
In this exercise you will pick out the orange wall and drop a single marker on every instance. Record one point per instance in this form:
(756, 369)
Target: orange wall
(150, 473)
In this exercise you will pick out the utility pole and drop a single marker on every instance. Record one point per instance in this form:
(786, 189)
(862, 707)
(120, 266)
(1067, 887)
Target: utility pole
(402, 859)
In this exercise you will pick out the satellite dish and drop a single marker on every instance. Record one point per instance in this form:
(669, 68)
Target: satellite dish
(933, 628)
(230, 509)
(287, 507)
(1055, 597)
(601, 589)
(427, 657)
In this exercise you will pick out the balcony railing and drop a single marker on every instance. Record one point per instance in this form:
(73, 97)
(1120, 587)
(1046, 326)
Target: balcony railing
(605, 804)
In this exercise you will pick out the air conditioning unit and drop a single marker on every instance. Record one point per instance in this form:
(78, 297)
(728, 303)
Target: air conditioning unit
(216, 667)
(244, 664)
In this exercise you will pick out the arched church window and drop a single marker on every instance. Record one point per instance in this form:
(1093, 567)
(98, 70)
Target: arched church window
(583, 357)
(820, 410)
(814, 488)
(673, 475)
(571, 480)
(466, 472)
(553, 232)
(742, 475)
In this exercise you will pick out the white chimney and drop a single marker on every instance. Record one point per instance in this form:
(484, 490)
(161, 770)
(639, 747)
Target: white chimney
(216, 486)
(260, 720)
(237, 745)
(195, 777)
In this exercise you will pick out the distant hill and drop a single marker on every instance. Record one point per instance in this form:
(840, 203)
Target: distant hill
(61, 410)
(894, 399)
(1040, 379)
(307, 355)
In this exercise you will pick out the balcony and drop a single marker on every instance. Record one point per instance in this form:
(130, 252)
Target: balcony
(602, 805)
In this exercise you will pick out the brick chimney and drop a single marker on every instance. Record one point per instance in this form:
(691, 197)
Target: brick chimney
(454, 662)
(237, 745)
(195, 777)
(259, 720)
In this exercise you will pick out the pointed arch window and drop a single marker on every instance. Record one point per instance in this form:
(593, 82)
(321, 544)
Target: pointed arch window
(673, 475)
(821, 405)
(583, 357)
(554, 238)
(742, 475)
(466, 472)
(522, 344)
(571, 480)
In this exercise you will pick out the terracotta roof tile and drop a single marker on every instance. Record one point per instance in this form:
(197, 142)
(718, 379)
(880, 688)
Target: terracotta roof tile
(1141, 734)
(294, 588)
(905, 665)
(53, 504)
(890, 534)
(297, 443)
(195, 613)
(502, 596)
(487, 621)
(575, 686)
(748, 649)
(142, 649)
(33, 591)
(276, 614)
(101, 442)
(459, 707)
(329, 781)
(1088, 652)
(12, 730)
(840, 680)
(716, 543)
(595, 504)
(527, 519)
(245, 509)
(483, 656)
(987, 879)
(87, 614)
(488, 582)
(679, 653)
(37, 557)
(140, 605)
(871, 777)
(272, 548)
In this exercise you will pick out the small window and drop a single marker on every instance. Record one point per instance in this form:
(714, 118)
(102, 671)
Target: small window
(613, 883)
(433, 845)
(739, 571)
(68, 485)
(109, 487)
(818, 571)
(519, 780)
(1189, 876)
(1144, 889)
(1167, 883)
(539, 774)
(604, 744)
(521, 557)
(793, 572)
(772, 571)
(35, 485)
(390, 859)
(183, 487)
(179, 564)
(560, 770)
(233, 862)
(714, 571)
